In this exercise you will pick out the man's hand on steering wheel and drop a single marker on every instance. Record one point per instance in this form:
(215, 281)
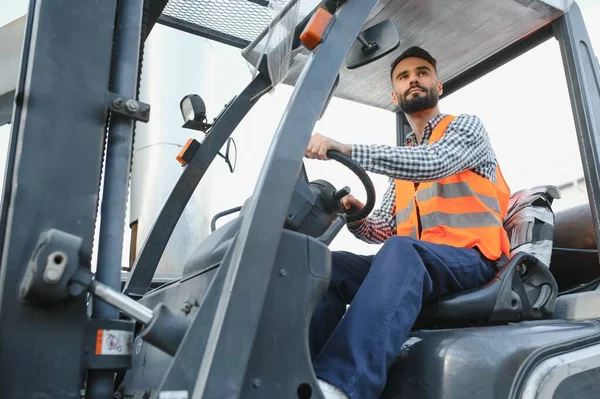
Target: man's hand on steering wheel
(349, 202)
(319, 145)
(324, 148)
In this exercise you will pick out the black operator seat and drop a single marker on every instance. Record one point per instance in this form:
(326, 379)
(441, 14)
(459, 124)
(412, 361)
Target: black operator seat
(523, 288)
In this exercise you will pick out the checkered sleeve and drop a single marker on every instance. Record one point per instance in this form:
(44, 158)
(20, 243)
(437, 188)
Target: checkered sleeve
(380, 225)
(464, 145)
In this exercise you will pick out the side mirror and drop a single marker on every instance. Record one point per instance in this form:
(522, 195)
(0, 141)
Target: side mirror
(193, 111)
(230, 152)
(372, 44)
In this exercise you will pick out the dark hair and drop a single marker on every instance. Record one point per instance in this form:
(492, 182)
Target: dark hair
(413, 52)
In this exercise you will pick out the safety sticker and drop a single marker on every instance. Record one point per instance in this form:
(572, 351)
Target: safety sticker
(173, 395)
(114, 342)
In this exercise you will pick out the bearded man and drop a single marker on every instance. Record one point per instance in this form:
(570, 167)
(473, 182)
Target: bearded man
(440, 223)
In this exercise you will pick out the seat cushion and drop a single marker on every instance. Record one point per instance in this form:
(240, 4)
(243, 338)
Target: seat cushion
(523, 289)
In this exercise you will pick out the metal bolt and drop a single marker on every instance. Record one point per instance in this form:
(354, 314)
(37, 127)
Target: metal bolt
(55, 266)
(521, 268)
(189, 303)
(283, 272)
(146, 394)
(256, 383)
(117, 102)
(132, 106)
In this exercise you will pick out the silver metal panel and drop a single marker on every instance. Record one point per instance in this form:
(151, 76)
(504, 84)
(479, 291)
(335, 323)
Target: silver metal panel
(579, 306)
(157, 143)
(547, 376)
(458, 33)
(11, 42)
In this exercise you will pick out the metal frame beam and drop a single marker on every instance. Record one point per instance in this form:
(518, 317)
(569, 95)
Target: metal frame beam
(583, 82)
(124, 83)
(52, 182)
(155, 9)
(252, 259)
(402, 128)
(202, 31)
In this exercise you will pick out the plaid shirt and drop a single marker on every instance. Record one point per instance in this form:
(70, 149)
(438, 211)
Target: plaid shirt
(465, 145)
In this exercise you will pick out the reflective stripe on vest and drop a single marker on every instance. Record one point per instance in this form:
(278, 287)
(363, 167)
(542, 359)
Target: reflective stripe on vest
(459, 220)
(403, 215)
(456, 190)
(463, 210)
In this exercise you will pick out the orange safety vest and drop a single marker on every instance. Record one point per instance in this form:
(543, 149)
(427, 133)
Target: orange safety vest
(464, 210)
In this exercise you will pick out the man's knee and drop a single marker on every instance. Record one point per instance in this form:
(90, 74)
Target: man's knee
(401, 253)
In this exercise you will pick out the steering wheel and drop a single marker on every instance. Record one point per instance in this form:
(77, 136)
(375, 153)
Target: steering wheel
(353, 214)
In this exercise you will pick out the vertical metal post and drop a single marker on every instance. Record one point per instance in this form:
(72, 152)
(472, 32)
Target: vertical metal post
(53, 169)
(225, 363)
(14, 131)
(402, 128)
(116, 181)
(583, 81)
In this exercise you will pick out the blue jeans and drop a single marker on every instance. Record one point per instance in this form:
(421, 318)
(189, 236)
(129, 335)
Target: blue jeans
(354, 349)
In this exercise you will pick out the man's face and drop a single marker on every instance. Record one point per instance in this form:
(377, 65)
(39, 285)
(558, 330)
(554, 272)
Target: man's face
(416, 86)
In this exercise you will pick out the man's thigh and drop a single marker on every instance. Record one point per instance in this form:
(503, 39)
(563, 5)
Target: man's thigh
(445, 268)
(453, 269)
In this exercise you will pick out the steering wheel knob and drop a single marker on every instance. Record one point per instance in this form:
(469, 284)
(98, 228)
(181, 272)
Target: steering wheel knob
(341, 193)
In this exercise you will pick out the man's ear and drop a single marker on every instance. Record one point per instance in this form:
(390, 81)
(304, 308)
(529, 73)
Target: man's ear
(440, 87)
(394, 98)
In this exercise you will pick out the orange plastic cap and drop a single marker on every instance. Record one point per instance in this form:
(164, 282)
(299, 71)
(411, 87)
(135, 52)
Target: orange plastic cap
(315, 29)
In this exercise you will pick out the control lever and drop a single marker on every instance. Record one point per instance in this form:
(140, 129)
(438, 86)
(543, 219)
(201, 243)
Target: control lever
(128, 306)
(54, 275)
(334, 228)
(162, 328)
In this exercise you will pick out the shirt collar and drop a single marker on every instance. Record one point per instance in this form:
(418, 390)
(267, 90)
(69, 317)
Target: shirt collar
(433, 122)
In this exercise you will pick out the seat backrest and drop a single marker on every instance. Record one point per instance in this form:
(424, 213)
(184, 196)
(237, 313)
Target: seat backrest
(529, 222)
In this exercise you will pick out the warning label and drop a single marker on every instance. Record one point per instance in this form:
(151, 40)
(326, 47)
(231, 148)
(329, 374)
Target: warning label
(114, 342)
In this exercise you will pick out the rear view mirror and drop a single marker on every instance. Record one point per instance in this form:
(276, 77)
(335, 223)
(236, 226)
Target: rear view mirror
(193, 111)
(372, 44)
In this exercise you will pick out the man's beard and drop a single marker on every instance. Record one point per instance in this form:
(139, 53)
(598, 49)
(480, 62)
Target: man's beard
(418, 103)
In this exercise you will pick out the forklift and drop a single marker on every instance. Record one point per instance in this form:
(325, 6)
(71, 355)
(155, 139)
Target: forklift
(235, 323)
